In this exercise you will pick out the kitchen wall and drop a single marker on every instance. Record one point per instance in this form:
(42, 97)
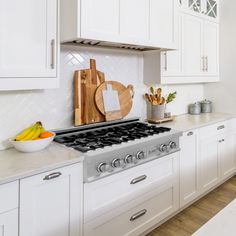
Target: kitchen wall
(54, 107)
(223, 94)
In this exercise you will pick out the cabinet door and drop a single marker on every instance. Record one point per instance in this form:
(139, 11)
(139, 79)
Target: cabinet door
(9, 223)
(51, 203)
(134, 20)
(209, 163)
(227, 155)
(171, 61)
(211, 48)
(100, 19)
(192, 45)
(188, 167)
(28, 38)
(164, 23)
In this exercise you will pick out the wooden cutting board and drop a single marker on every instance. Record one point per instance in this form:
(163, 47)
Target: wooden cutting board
(85, 85)
(125, 99)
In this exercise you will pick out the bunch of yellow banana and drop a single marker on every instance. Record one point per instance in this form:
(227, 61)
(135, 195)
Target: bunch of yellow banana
(31, 133)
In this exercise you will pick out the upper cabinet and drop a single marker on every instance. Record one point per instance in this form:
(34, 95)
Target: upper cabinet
(164, 23)
(134, 20)
(143, 24)
(100, 19)
(197, 57)
(28, 44)
(208, 8)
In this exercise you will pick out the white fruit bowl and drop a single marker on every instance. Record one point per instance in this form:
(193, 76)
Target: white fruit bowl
(32, 145)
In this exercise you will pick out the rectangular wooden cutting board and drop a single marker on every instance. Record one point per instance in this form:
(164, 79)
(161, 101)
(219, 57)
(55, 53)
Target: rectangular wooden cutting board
(85, 85)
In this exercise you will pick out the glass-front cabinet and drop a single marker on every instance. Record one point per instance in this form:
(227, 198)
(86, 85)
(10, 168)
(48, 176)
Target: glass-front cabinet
(206, 7)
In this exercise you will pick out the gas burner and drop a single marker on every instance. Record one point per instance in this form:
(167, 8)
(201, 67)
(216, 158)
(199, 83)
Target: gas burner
(108, 136)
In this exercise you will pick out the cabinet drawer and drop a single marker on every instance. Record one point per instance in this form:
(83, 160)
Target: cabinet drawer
(9, 196)
(137, 219)
(114, 191)
(212, 130)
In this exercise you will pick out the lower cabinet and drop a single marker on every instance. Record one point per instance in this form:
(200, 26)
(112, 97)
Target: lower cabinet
(189, 189)
(9, 209)
(207, 158)
(120, 205)
(51, 203)
(9, 223)
(209, 163)
(136, 220)
(226, 150)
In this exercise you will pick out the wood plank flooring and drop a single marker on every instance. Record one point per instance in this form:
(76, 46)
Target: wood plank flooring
(193, 217)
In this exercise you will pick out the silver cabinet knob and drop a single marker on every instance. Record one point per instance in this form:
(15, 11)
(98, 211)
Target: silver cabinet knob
(140, 155)
(129, 159)
(163, 148)
(103, 167)
(172, 145)
(116, 163)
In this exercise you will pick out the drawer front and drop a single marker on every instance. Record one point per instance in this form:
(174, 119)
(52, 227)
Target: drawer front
(137, 219)
(114, 191)
(212, 130)
(9, 196)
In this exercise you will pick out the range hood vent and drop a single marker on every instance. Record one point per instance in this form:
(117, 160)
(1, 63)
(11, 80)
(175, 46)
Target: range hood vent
(103, 44)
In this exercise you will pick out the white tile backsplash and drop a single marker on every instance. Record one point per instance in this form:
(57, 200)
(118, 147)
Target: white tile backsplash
(54, 107)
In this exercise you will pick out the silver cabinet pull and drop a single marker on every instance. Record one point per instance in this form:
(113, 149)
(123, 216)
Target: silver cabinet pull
(52, 176)
(166, 66)
(138, 215)
(138, 179)
(53, 54)
(220, 127)
(203, 64)
(206, 64)
(190, 133)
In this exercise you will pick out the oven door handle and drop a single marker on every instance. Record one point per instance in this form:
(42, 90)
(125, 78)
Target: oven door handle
(138, 179)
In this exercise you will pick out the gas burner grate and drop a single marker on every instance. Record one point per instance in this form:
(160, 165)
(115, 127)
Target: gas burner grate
(100, 138)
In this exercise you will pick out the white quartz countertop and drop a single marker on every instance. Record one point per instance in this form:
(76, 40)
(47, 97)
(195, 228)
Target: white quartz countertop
(188, 122)
(15, 165)
(222, 224)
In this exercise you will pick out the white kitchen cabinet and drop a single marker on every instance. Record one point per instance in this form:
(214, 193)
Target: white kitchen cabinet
(216, 154)
(211, 49)
(100, 19)
(9, 223)
(226, 150)
(164, 23)
(28, 44)
(192, 46)
(139, 218)
(51, 203)
(171, 61)
(146, 195)
(9, 209)
(209, 163)
(140, 23)
(189, 176)
(204, 8)
(134, 20)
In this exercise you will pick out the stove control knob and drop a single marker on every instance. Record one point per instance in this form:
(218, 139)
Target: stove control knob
(163, 148)
(129, 159)
(172, 145)
(103, 167)
(140, 155)
(116, 163)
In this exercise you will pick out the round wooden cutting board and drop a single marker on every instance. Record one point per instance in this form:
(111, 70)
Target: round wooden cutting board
(125, 96)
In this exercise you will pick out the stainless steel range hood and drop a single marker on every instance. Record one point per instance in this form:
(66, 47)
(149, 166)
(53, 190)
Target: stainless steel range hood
(103, 44)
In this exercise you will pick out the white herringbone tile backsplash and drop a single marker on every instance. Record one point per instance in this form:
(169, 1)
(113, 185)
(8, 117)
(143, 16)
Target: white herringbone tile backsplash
(54, 107)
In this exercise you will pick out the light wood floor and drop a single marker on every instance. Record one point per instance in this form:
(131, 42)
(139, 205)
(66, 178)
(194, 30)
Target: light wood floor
(193, 217)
